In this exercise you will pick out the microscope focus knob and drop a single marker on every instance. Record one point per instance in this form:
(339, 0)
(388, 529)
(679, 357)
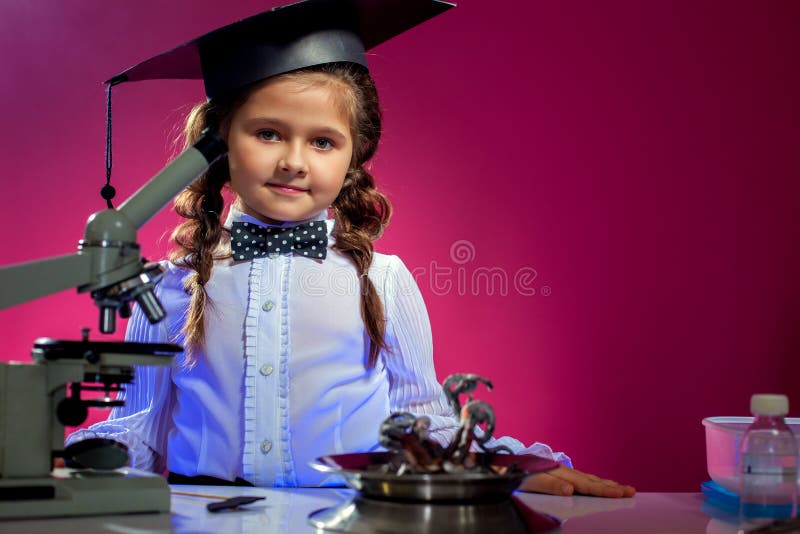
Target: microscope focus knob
(71, 411)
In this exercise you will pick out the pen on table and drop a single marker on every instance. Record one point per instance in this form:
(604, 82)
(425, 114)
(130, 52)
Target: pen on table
(226, 503)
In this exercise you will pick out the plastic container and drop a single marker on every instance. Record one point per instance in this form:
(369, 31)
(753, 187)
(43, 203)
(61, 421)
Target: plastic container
(768, 463)
(723, 441)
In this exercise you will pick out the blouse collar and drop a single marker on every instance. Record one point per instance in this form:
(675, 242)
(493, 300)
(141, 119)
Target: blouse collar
(236, 215)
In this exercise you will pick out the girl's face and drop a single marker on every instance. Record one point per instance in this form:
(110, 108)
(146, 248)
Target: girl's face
(289, 150)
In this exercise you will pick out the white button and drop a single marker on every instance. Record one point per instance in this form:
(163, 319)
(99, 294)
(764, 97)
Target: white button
(268, 305)
(266, 369)
(266, 446)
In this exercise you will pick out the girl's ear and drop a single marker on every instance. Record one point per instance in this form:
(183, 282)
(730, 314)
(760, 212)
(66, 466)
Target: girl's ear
(224, 130)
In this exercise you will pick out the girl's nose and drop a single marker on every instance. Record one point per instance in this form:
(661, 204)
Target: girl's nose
(293, 161)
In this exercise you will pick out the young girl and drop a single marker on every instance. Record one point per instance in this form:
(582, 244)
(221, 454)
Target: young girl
(300, 339)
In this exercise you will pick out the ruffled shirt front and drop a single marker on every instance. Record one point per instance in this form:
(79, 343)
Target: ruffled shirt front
(282, 378)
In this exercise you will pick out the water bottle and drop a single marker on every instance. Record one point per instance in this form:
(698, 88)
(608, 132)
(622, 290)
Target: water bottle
(768, 482)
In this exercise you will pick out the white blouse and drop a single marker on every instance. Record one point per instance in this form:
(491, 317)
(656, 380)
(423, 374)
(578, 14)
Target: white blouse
(282, 378)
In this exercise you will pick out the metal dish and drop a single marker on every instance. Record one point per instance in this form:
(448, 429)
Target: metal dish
(361, 471)
(368, 516)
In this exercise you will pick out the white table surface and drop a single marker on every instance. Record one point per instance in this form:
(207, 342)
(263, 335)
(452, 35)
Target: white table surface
(286, 511)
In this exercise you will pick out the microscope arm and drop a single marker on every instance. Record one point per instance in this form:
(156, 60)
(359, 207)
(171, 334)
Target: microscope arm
(51, 275)
(178, 174)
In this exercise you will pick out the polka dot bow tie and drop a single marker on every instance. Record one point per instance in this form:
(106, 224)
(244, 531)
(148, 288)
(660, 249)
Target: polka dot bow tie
(250, 241)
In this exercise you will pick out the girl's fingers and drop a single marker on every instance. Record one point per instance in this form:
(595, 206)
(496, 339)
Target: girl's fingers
(604, 481)
(566, 481)
(547, 483)
(592, 485)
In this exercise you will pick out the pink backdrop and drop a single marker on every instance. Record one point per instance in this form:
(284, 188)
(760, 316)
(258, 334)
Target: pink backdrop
(629, 170)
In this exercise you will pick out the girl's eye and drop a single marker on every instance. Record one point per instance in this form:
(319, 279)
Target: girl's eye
(323, 144)
(268, 135)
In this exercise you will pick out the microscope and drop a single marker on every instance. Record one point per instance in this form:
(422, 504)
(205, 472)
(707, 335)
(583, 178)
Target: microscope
(37, 400)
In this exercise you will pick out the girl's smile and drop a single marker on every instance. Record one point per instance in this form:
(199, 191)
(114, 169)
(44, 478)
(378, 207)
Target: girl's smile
(286, 189)
(290, 148)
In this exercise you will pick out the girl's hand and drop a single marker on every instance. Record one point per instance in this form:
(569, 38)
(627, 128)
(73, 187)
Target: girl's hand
(566, 481)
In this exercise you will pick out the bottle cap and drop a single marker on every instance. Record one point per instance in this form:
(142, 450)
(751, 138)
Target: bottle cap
(769, 404)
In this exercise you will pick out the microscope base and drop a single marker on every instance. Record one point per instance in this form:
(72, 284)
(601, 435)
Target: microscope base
(70, 492)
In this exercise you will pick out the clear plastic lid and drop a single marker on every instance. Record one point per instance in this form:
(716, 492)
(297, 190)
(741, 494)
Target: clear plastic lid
(763, 404)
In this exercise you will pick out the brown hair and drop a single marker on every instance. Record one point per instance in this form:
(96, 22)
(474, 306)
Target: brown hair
(360, 210)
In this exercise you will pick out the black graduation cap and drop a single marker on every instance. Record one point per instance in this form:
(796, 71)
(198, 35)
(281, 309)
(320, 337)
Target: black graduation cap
(286, 38)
